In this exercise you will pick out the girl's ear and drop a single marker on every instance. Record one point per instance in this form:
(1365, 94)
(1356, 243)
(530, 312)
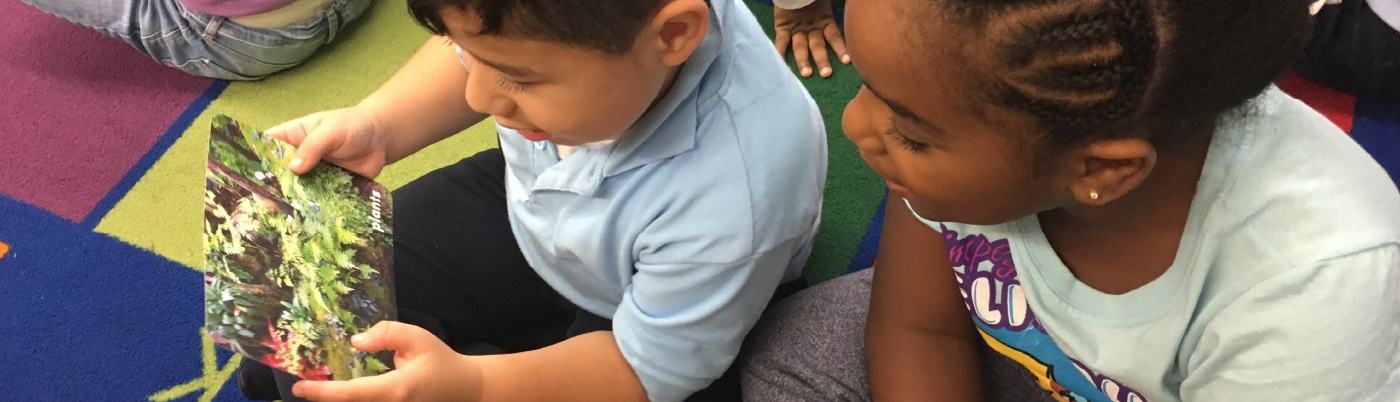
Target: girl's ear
(677, 29)
(1112, 168)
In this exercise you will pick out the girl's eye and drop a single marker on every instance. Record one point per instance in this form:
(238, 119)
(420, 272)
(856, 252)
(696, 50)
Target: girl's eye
(513, 86)
(905, 142)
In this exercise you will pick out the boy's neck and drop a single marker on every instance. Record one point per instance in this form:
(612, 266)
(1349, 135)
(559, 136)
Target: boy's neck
(671, 76)
(665, 90)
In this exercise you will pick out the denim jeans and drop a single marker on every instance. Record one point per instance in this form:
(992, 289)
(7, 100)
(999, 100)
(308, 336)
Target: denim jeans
(203, 44)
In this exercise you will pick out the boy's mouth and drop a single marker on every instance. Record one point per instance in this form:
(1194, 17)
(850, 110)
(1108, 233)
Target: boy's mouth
(534, 135)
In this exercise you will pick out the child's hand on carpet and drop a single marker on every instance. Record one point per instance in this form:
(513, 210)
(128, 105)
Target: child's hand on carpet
(426, 370)
(809, 29)
(349, 137)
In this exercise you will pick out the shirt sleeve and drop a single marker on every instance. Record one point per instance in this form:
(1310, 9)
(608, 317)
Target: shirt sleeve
(1330, 332)
(680, 325)
(792, 4)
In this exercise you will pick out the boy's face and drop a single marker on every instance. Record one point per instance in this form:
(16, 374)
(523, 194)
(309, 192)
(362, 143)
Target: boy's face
(553, 92)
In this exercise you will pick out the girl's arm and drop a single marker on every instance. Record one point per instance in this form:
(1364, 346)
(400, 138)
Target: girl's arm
(920, 342)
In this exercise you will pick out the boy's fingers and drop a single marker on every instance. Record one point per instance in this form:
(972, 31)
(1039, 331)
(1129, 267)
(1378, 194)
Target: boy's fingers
(310, 152)
(838, 43)
(818, 46)
(799, 52)
(369, 166)
(407, 340)
(781, 39)
(295, 131)
(376, 388)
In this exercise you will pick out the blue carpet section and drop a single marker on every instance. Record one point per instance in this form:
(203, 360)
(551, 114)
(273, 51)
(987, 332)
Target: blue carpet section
(1377, 128)
(87, 317)
(865, 252)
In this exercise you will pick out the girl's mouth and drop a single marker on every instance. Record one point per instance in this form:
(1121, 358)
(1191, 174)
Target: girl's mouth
(897, 188)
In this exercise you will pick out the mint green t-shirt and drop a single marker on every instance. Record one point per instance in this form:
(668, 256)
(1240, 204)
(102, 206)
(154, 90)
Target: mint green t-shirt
(1286, 285)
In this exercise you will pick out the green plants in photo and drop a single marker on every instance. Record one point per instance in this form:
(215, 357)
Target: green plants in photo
(294, 264)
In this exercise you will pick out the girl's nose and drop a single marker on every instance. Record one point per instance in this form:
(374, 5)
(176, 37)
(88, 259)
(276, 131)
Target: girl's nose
(857, 125)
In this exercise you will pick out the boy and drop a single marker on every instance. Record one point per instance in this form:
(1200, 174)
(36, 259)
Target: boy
(659, 175)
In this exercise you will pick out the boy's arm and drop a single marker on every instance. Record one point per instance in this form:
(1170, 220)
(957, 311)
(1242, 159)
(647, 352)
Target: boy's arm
(587, 367)
(424, 102)
(920, 342)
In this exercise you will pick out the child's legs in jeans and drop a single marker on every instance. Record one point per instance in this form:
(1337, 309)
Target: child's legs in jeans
(458, 271)
(811, 347)
(203, 44)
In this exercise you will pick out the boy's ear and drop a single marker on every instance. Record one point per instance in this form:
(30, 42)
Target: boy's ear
(678, 29)
(1112, 168)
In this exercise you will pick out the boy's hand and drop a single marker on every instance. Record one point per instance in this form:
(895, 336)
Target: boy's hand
(351, 138)
(427, 370)
(809, 29)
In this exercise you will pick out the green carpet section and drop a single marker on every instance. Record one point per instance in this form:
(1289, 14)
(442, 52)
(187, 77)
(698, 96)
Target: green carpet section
(162, 212)
(852, 189)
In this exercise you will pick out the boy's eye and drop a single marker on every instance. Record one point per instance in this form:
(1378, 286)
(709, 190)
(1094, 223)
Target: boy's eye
(513, 86)
(905, 142)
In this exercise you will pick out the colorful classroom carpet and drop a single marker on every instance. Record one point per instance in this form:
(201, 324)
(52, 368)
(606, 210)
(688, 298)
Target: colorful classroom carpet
(101, 165)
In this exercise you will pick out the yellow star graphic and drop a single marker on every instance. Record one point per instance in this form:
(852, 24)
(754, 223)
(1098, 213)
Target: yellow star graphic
(213, 379)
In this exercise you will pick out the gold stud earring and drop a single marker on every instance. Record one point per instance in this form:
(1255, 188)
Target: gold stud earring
(1093, 195)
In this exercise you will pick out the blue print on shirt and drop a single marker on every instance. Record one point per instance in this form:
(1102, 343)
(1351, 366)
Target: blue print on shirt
(993, 295)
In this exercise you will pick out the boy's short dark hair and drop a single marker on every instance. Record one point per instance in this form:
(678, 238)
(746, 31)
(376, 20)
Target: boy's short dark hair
(606, 26)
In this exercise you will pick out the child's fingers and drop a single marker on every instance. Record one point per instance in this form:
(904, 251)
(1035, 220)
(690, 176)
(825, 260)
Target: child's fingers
(837, 42)
(312, 148)
(295, 131)
(781, 38)
(818, 46)
(799, 52)
(376, 388)
(405, 339)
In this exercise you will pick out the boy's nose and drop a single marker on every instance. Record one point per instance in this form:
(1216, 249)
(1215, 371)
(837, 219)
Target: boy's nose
(484, 97)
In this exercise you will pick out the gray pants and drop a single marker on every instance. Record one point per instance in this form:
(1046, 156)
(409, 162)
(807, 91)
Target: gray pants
(811, 347)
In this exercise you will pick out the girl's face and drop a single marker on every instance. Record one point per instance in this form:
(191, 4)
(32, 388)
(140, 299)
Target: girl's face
(920, 124)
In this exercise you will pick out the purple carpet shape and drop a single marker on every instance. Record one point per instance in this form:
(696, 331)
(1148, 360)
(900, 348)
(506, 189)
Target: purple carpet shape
(77, 109)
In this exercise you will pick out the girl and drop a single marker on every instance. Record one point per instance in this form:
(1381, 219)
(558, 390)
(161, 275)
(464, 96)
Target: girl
(1119, 198)
(224, 39)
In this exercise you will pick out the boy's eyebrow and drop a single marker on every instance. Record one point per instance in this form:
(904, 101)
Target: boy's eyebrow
(505, 68)
(898, 108)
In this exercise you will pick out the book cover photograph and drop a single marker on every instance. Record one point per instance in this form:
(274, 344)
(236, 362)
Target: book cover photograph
(294, 264)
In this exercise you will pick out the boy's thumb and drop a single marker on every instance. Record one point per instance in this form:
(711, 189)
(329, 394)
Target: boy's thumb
(310, 152)
(295, 131)
(395, 336)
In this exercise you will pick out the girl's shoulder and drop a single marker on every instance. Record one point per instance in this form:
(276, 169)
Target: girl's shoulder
(1282, 175)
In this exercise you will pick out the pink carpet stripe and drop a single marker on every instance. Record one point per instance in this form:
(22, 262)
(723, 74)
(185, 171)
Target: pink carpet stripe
(77, 110)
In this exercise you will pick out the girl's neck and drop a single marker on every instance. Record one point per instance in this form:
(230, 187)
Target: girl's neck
(1127, 243)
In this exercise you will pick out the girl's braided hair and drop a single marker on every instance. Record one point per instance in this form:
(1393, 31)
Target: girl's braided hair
(1080, 66)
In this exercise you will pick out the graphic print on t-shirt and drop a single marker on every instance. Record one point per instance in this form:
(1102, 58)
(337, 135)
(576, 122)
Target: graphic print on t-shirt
(993, 295)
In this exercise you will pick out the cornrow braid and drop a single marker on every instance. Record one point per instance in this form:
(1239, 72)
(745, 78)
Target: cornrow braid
(1076, 65)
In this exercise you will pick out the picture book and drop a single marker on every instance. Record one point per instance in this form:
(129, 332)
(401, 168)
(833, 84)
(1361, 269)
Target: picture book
(294, 264)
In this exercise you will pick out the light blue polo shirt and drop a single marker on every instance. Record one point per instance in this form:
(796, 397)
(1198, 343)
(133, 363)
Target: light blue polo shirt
(681, 230)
